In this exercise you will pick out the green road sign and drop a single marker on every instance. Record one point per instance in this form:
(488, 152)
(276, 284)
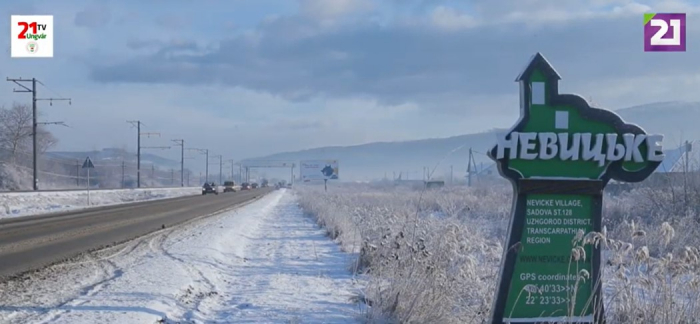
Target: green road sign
(559, 156)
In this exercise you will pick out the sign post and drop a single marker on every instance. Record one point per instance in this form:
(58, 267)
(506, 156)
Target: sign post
(88, 165)
(316, 170)
(559, 156)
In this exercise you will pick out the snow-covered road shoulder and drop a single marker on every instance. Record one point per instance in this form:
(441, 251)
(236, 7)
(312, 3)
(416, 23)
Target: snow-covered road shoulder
(14, 204)
(265, 262)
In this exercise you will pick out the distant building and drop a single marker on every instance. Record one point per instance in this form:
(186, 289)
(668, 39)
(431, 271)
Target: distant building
(677, 163)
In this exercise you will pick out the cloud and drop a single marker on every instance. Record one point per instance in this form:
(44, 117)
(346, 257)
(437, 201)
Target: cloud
(295, 59)
(157, 44)
(329, 9)
(95, 15)
(451, 19)
(300, 124)
(173, 22)
(332, 73)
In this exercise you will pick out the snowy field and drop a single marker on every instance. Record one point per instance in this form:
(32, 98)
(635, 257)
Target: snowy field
(13, 204)
(265, 262)
(433, 256)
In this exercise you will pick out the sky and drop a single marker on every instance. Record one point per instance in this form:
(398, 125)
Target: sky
(247, 78)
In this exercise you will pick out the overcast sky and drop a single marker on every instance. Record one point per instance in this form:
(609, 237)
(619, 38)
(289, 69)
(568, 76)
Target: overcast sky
(251, 77)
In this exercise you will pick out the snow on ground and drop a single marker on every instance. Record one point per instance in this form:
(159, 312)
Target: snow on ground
(13, 204)
(265, 262)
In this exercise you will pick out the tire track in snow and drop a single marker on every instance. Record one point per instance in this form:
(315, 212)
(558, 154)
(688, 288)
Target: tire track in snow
(266, 263)
(110, 271)
(197, 291)
(295, 273)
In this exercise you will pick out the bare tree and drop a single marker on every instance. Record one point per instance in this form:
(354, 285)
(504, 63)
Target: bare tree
(16, 131)
(45, 139)
(15, 128)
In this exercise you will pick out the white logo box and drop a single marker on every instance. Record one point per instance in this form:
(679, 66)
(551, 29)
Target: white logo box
(31, 36)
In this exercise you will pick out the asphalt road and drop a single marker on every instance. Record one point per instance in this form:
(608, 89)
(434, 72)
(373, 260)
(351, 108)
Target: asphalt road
(33, 242)
(92, 189)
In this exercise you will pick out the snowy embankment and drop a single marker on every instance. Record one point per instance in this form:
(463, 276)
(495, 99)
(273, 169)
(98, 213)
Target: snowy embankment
(13, 204)
(265, 262)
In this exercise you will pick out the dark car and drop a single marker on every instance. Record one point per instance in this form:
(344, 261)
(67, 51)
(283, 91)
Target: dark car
(245, 186)
(229, 186)
(208, 188)
(254, 185)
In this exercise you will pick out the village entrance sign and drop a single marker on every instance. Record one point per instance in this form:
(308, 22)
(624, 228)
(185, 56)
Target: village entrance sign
(559, 156)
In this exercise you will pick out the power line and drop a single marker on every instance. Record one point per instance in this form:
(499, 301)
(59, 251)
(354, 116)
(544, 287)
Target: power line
(138, 124)
(181, 143)
(206, 163)
(221, 163)
(18, 81)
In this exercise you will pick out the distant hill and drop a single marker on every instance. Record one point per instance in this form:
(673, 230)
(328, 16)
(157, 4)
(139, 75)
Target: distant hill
(677, 120)
(115, 155)
(113, 168)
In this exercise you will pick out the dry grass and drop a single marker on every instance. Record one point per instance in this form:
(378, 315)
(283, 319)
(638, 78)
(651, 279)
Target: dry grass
(433, 256)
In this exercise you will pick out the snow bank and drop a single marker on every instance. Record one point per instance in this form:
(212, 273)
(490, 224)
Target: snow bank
(265, 262)
(13, 204)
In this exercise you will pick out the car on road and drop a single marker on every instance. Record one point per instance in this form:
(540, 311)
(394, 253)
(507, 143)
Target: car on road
(245, 186)
(209, 188)
(265, 183)
(254, 185)
(229, 186)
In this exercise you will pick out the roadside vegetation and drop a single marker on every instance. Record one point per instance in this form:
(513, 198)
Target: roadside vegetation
(433, 256)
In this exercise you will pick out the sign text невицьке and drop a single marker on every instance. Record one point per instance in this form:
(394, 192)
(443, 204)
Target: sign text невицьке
(585, 146)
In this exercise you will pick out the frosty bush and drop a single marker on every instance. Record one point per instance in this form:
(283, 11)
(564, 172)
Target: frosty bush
(432, 256)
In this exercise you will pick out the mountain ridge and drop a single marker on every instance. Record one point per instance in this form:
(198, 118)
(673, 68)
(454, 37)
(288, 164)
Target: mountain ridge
(379, 159)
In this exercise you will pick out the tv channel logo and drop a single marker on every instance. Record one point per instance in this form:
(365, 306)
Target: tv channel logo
(31, 36)
(664, 32)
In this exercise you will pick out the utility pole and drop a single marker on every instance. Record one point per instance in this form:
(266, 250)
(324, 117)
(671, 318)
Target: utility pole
(172, 177)
(153, 166)
(138, 150)
(206, 163)
(151, 148)
(123, 171)
(687, 154)
(232, 165)
(35, 124)
(77, 173)
(469, 169)
(220, 165)
(138, 124)
(181, 143)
